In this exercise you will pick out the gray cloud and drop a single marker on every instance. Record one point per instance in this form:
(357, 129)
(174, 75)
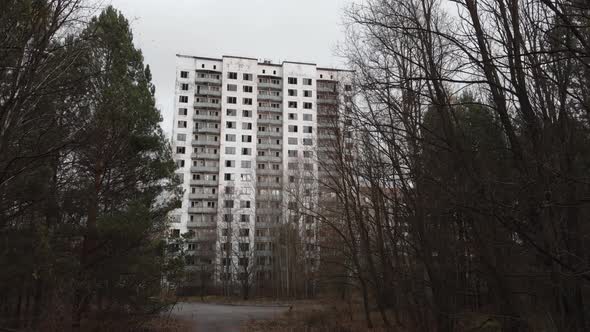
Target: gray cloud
(297, 30)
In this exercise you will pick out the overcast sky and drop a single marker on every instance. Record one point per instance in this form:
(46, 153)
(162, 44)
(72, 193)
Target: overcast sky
(296, 30)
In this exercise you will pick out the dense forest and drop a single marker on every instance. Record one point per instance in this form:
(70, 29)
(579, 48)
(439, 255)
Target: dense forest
(86, 175)
(466, 197)
(457, 189)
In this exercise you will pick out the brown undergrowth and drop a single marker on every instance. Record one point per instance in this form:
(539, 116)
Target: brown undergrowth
(321, 315)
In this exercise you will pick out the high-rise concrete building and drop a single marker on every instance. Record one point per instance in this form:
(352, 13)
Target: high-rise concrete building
(246, 137)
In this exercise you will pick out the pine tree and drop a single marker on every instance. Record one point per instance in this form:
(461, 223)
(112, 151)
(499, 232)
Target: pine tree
(126, 180)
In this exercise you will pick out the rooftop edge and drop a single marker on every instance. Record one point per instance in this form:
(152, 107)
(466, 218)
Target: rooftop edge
(261, 63)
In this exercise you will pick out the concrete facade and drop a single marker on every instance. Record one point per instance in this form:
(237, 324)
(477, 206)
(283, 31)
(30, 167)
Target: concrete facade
(243, 131)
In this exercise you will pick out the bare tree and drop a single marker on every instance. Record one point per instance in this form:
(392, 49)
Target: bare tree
(238, 263)
(472, 125)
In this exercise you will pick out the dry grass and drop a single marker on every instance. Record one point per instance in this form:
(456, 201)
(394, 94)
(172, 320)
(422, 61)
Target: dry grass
(321, 315)
(166, 324)
(341, 317)
(147, 324)
(214, 299)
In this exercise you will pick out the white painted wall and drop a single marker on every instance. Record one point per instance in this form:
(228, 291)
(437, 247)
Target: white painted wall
(250, 66)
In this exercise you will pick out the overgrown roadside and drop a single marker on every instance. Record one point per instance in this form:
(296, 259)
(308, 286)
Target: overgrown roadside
(228, 300)
(339, 315)
(319, 315)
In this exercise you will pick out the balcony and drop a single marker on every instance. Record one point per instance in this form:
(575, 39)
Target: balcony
(321, 147)
(204, 117)
(268, 198)
(269, 97)
(209, 156)
(205, 143)
(269, 134)
(331, 142)
(207, 104)
(208, 92)
(327, 89)
(269, 158)
(206, 183)
(269, 146)
(269, 172)
(329, 116)
(203, 196)
(270, 109)
(202, 142)
(203, 235)
(204, 210)
(207, 253)
(270, 85)
(267, 238)
(202, 226)
(327, 124)
(327, 163)
(205, 169)
(268, 211)
(270, 122)
(329, 136)
(275, 185)
(200, 267)
(211, 80)
(327, 101)
(206, 130)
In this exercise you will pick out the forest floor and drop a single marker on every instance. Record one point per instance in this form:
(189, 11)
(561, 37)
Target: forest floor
(317, 315)
(220, 317)
(229, 300)
(215, 313)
